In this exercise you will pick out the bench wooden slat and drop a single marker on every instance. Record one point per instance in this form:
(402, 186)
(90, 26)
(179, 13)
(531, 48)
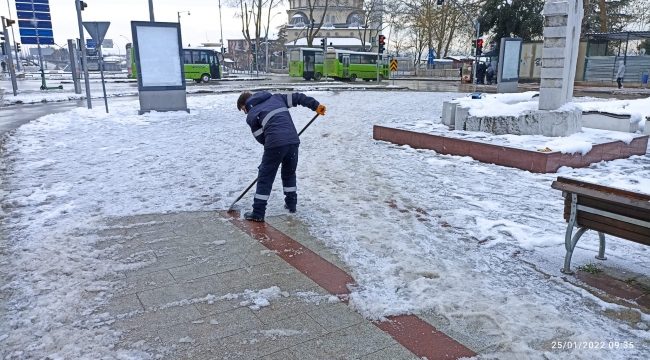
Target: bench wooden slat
(613, 231)
(605, 189)
(614, 198)
(609, 222)
(624, 210)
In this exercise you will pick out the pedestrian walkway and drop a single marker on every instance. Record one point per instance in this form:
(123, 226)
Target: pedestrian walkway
(216, 287)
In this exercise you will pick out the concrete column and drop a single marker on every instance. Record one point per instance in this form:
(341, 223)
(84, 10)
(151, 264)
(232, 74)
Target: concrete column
(562, 25)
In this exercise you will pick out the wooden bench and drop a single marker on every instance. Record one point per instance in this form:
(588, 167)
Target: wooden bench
(615, 212)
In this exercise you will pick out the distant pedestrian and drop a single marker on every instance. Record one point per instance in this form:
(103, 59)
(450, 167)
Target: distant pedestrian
(460, 72)
(480, 73)
(4, 66)
(620, 74)
(489, 74)
(269, 119)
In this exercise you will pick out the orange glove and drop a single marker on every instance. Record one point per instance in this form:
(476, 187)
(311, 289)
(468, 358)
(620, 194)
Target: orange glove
(321, 110)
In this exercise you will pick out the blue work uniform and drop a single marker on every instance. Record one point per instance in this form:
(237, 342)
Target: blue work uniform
(272, 126)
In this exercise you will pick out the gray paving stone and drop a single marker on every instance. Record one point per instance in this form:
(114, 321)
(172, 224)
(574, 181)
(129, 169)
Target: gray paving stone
(281, 355)
(336, 316)
(258, 275)
(293, 305)
(212, 327)
(153, 320)
(271, 338)
(122, 305)
(134, 284)
(190, 290)
(207, 266)
(476, 336)
(163, 262)
(395, 352)
(350, 343)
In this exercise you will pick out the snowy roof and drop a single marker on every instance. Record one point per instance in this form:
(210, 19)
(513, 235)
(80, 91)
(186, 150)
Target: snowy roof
(458, 57)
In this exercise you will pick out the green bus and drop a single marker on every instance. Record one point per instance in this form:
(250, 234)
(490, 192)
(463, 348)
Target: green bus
(201, 64)
(341, 65)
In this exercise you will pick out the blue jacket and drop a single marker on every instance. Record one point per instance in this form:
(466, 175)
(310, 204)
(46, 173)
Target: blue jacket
(269, 118)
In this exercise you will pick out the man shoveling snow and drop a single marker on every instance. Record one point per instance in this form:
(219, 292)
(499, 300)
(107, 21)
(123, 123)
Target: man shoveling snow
(269, 119)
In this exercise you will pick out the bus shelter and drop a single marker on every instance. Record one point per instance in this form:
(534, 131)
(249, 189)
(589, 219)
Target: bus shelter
(605, 50)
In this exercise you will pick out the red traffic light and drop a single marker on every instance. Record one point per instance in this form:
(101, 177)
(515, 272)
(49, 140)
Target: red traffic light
(382, 38)
(479, 42)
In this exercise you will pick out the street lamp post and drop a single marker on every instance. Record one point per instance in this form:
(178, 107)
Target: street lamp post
(267, 40)
(220, 27)
(179, 15)
(151, 17)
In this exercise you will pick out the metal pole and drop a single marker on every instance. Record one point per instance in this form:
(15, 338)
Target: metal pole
(151, 18)
(13, 37)
(267, 52)
(73, 67)
(84, 62)
(101, 69)
(11, 60)
(220, 27)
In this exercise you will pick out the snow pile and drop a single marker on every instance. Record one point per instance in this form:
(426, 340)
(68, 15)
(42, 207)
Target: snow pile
(472, 248)
(256, 300)
(638, 109)
(500, 104)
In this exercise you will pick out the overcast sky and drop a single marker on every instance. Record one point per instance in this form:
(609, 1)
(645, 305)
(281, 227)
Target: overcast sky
(202, 24)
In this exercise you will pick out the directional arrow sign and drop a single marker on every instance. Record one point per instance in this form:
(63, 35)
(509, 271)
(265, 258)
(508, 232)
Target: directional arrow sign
(97, 29)
(393, 65)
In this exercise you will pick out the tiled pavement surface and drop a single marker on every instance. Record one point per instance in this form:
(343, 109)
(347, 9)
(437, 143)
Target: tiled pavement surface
(165, 305)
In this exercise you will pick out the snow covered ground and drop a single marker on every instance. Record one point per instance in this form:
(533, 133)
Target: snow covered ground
(475, 248)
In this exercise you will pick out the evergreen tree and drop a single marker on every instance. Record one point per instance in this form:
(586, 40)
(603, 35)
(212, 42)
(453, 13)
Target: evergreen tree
(602, 16)
(512, 18)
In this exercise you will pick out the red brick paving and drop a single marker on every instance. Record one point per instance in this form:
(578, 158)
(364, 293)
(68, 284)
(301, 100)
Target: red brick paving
(413, 333)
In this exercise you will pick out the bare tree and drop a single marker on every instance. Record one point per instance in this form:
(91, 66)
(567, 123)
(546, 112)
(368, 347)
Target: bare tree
(372, 20)
(311, 30)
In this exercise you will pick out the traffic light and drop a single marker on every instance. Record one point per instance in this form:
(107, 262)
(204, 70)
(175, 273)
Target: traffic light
(254, 50)
(479, 47)
(18, 47)
(382, 44)
(82, 5)
(323, 43)
(2, 36)
(441, 2)
(2, 44)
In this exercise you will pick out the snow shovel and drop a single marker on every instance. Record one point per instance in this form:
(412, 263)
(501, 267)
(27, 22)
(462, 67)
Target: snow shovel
(232, 207)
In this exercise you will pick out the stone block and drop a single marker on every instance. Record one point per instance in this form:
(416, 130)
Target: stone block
(555, 20)
(646, 130)
(554, 42)
(549, 53)
(555, 32)
(610, 122)
(552, 73)
(551, 83)
(460, 117)
(449, 113)
(551, 99)
(556, 8)
(554, 63)
(547, 123)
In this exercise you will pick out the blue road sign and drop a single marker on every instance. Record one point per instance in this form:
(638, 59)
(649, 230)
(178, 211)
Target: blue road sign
(432, 55)
(29, 40)
(91, 44)
(35, 22)
(35, 32)
(29, 24)
(34, 15)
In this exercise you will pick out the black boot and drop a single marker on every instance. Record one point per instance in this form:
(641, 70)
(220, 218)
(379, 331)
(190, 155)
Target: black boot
(250, 217)
(293, 211)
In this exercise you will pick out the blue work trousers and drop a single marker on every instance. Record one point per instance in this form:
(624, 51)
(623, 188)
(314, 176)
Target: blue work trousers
(287, 156)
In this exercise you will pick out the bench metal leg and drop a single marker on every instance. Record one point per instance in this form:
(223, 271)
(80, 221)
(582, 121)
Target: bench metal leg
(569, 252)
(569, 242)
(601, 249)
